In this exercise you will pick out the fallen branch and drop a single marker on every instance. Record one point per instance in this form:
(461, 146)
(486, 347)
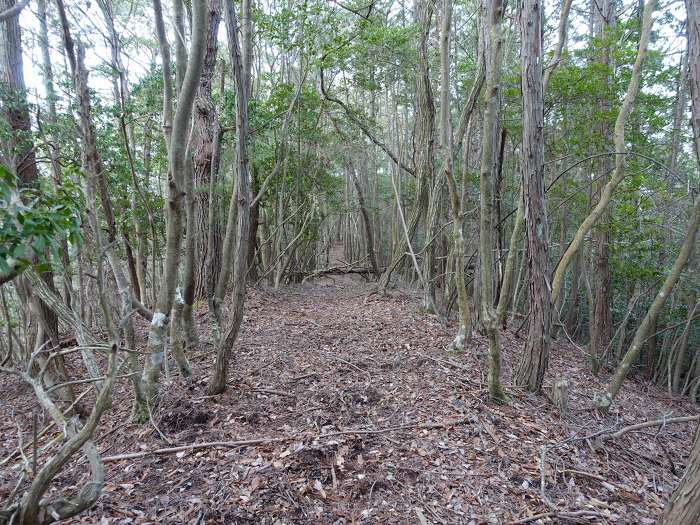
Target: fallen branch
(647, 424)
(194, 446)
(553, 514)
(267, 440)
(417, 426)
(271, 392)
(458, 366)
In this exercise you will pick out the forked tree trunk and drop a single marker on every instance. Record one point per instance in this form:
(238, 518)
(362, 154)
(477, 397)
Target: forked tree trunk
(176, 187)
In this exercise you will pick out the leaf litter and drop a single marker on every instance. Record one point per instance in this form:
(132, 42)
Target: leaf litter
(358, 414)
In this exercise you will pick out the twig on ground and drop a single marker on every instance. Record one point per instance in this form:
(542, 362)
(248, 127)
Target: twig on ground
(272, 392)
(350, 364)
(155, 426)
(459, 367)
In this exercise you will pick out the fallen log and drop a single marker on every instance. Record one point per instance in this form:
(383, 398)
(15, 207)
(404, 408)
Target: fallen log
(335, 270)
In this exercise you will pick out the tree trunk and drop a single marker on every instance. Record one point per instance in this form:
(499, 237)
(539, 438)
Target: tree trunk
(601, 318)
(683, 507)
(97, 183)
(423, 140)
(494, 55)
(505, 296)
(366, 220)
(206, 125)
(240, 208)
(535, 357)
(682, 343)
(54, 148)
(456, 205)
(21, 155)
(679, 111)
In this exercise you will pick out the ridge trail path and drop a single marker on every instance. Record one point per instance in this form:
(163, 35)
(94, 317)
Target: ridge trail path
(371, 421)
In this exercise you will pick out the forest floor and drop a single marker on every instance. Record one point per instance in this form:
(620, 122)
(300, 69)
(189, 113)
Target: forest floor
(364, 417)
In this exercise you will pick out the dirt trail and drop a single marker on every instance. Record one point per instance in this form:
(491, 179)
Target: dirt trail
(322, 359)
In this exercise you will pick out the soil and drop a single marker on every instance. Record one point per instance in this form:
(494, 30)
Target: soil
(370, 420)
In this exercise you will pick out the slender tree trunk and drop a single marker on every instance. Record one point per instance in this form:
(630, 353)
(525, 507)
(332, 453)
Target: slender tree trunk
(679, 110)
(535, 356)
(561, 40)
(622, 330)
(166, 65)
(601, 318)
(682, 343)
(121, 93)
(96, 183)
(180, 45)
(366, 220)
(605, 400)
(21, 155)
(185, 301)
(54, 147)
(240, 201)
(213, 248)
(448, 150)
(494, 55)
(505, 296)
(142, 256)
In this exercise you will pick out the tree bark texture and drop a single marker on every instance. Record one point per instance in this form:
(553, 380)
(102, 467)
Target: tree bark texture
(494, 50)
(535, 356)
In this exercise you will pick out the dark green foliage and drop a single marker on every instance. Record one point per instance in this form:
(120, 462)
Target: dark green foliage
(32, 221)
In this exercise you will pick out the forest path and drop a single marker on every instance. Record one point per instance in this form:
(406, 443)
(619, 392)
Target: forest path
(351, 383)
